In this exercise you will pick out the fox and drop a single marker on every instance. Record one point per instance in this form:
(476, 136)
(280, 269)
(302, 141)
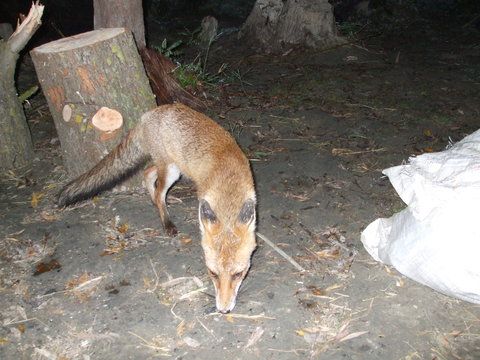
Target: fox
(174, 140)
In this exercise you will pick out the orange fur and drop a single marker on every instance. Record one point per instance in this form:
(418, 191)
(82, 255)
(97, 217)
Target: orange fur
(181, 141)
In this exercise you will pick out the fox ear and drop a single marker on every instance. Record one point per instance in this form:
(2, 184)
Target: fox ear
(206, 215)
(247, 213)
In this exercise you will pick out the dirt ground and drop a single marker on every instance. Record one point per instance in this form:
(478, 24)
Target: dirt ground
(101, 281)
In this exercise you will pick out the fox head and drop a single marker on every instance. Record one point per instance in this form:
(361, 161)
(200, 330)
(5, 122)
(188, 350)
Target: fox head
(228, 249)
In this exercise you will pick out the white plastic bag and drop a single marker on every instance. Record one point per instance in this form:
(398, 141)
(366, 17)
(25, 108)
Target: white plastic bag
(436, 239)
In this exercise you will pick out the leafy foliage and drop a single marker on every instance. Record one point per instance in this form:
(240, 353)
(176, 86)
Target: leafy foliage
(169, 51)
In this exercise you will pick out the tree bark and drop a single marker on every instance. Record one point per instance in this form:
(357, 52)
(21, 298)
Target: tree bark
(278, 25)
(6, 30)
(83, 73)
(166, 88)
(129, 14)
(16, 148)
(120, 13)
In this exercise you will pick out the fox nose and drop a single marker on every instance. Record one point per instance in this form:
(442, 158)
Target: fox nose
(225, 308)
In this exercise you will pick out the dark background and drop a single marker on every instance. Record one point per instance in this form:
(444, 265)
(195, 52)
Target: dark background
(64, 18)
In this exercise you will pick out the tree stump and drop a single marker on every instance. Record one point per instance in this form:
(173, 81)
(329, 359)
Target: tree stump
(80, 75)
(277, 25)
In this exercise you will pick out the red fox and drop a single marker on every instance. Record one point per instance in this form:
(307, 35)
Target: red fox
(179, 140)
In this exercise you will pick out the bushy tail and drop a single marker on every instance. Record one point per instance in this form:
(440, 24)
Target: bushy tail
(120, 163)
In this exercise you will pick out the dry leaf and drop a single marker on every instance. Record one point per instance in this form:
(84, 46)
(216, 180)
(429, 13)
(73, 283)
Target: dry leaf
(229, 318)
(147, 283)
(46, 267)
(332, 253)
(333, 287)
(428, 133)
(300, 332)
(36, 197)
(78, 280)
(191, 342)
(399, 282)
(181, 328)
(82, 287)
(123, 228)
(316, 290)
(113, 249)
(185, 240)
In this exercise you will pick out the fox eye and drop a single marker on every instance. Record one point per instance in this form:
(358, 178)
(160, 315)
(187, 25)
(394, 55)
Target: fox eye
(212, 274)
(237, 275)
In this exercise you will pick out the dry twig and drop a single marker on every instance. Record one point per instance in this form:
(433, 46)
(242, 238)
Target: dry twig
(281, 252)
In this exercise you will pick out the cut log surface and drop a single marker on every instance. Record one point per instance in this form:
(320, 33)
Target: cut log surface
(81, 74)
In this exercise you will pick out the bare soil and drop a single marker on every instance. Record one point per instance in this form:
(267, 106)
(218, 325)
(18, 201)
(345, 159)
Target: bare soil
(101, 281)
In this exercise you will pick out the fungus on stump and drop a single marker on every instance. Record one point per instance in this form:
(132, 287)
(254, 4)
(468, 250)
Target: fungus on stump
(97, 90)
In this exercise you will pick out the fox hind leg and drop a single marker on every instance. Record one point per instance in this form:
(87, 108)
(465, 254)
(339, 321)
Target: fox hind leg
(150, 176)
(159, 179)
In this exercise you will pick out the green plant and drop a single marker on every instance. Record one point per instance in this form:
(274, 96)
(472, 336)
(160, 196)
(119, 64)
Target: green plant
(349, 28)
(169, 51)
(191, 35)
(193, 74)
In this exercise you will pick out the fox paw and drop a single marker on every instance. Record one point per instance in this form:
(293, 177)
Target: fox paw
(171, 229)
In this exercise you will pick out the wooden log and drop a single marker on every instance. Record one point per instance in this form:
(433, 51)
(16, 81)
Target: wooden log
(80, 75)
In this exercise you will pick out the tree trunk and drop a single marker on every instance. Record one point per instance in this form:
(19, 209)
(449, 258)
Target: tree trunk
(120, 13)
(16, 148)
(6, 30)
(81, 74)
(129, 14)
(278, 25)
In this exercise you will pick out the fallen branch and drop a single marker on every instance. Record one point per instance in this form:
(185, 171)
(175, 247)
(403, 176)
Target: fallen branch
(26, 28)
(243, 316)
(345, 152)
(193, 292)
(371, 107)
(281, 252)
(24, 321)
(152, 345)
